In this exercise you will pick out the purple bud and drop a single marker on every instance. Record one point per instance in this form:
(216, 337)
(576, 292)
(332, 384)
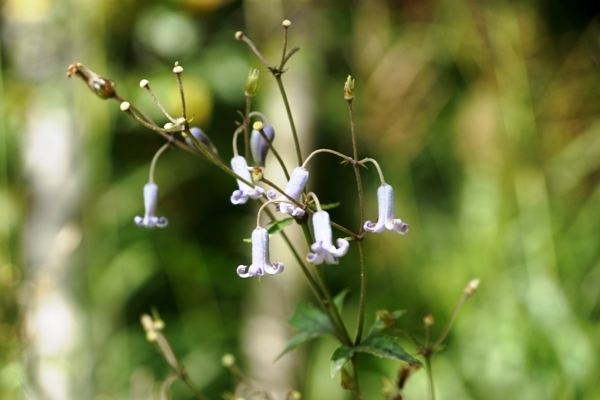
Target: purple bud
(259, 146)
(202, 138)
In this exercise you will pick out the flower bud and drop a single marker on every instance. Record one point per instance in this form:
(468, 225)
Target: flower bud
(349, 88)
(429, 320)
(252, 83)
(202, 138)
(228, 360)
(258, 145)
(101, 86)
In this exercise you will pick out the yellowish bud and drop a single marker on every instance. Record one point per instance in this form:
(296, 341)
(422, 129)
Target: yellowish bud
(257, 125)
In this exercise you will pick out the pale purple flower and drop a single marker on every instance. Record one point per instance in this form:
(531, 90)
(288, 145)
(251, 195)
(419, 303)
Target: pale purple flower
(260, 257)
(323, 248)
(240, 196)
(385, 201)
(294, 189)
(150, 220)
(259, 146)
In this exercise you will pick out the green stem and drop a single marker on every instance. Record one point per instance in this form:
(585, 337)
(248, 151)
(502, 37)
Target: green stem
(246, 127)
(275, 153)
(429, 377)
(363, 291)
(183, 376)
(290, 117)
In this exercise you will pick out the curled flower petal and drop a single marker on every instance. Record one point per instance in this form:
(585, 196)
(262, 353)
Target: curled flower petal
(240, 196)
(385, 201)
(259, 146)
(202, 138)
(260, 257)
(323, 249)
(150, 220)
(293, 190)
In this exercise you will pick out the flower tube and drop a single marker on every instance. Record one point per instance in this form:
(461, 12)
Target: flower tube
(240, 196)
(323, 248)
(260, 257)
(385, 201)
(293, 190)
(150, 220)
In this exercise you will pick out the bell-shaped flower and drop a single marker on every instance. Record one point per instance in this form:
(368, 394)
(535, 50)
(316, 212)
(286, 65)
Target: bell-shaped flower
(240, 196)
(259, 146)
(293, 190)
(323, 248)
(260, 257)
(202, 138)
(385, 201)
(150, 220)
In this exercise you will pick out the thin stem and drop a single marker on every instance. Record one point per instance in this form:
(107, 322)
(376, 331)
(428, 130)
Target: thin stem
(235, 135)
(311, 155)
(315, 198)
(259, 115)
(429, 377)
(178, 71)
(164, 387)
(240, 36)
(155, 158)
(136, 110)
(356, 388)
(290, 117)
(288, 56)
(246, 127)
(371, 160)
(286, 24)
(363, 291)
(262, 207)
(450, 321)
(356, 167)
(146, 85)
(183, 376)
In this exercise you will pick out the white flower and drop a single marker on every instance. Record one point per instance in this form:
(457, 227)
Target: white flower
(150, 219)
(385, 201)
(323, 248)
(240, 196)
(260, 257)
(293, 190)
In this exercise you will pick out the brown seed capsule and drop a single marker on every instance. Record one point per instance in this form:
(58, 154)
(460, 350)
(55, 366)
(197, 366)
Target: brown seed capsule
(101, 86)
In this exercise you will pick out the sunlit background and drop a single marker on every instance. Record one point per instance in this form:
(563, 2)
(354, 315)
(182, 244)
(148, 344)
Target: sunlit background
(485, 116)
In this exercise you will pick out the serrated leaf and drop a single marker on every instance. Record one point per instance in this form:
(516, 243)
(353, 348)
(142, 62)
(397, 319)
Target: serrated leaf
(378, 344)
(279, 224)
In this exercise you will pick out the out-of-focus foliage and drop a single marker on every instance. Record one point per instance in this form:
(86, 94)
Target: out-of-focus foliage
(485, 117)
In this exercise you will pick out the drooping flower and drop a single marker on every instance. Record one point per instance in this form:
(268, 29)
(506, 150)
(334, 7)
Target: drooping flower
(202, 138)
(260, 257)
(323, 248)
(240, 196)
(293, 190)
(385, 201)
(150, 220)
(259, 146)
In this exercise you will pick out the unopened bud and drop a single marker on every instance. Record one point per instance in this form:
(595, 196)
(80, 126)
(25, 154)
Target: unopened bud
(178, 68)
(251, 87)
(257, 125)
(286, 23)
(239, 35)
(472, 286)
(349, 88)
(147, 322)
(429, 320)
(124, 106)
(169, 125)
(102, 87)
(144, 83)
(151, 336)
(295, 395)
(387, 318)
(228, 360)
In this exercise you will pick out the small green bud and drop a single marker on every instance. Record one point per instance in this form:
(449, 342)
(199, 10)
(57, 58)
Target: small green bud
(252, 83)
(349, 88)
(429, 320)
(228, 360)
(387, 318)
(239, 35)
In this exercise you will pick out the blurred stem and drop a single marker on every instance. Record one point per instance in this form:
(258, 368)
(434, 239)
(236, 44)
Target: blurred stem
(356, 388)
(363, 290)
(290, 117)
(184, 377)
(247, 127)
(429, 377)
(155, 158)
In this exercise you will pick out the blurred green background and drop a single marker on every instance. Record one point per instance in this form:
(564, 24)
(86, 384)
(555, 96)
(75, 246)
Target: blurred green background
(485, 116)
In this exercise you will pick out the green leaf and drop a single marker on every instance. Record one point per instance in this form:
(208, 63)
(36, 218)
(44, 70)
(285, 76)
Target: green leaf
(278, 225)
(312, 322)
(385, 319)
(377, 344)
(329, 206)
